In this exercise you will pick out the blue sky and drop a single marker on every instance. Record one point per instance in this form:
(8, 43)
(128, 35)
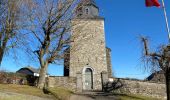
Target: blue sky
(125, 21)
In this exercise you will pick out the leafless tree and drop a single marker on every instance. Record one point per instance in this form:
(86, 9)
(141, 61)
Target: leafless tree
(49, 23)
(159, 60)
(10, 25)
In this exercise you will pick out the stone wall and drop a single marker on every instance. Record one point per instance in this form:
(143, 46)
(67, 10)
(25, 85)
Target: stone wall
(88, 49)
(66, 82)
(143, 88)
(13, 78)
(109, 65)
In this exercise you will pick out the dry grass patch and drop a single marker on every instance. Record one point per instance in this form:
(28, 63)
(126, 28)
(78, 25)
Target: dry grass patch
(20, 97)
(134, 97)
(60, 93)
(23, 89)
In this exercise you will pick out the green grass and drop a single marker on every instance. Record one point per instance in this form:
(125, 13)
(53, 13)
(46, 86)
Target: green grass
(60, 93)
(57, 92)
(134, 97)
(21, 97)
(23, 89)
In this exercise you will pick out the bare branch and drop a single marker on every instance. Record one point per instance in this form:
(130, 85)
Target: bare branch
(146, 49)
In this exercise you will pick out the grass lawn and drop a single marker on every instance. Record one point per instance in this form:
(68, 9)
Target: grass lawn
(23, 89)
(134, 97)
(60, 93)
(15, 97)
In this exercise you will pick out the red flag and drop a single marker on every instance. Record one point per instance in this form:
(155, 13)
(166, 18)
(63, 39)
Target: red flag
(150, 3)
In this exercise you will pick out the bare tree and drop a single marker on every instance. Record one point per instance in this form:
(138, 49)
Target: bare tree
(10, 14)
(159, 60)
(50, 28)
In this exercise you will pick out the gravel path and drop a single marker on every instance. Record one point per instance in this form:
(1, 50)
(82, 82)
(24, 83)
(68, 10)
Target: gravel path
(16, 96)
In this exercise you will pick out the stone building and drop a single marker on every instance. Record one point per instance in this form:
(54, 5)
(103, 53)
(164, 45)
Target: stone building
(87, 63)
(157, 77)
(88, 59)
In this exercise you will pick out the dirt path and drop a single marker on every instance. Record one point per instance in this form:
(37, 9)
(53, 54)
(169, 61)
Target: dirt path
(16, 96)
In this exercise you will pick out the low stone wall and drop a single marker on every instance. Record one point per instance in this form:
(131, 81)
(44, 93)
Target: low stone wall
(144, 88)
(13, 78)
(66, 82)
(156, 90)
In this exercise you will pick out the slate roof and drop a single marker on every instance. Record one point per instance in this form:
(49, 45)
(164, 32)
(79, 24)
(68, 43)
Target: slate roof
(28, 70)
(88, 2)
(156, 76)
(33, 69)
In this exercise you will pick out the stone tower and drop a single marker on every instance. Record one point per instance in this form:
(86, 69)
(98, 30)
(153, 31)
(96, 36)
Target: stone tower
(87, 55)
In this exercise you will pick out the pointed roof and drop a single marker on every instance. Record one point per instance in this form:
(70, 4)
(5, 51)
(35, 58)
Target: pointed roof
(89, 2)
(34, 70)
(31, 69)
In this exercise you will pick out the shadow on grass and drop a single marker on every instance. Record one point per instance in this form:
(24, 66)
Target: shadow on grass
(129, 96)
(111, 86)
(115, 96)
(59, 93)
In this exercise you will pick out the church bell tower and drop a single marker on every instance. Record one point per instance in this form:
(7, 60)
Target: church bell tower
(88, 57)
(87, 9)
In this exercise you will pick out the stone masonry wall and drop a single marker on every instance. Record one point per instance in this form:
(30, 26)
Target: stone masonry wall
(109, 65)
(66, 82)
(143, 88)
(88, 49)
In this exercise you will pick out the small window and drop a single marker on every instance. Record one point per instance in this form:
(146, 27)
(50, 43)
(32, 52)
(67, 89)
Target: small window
(87, 11)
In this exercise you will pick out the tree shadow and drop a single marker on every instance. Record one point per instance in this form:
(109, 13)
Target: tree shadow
(110, 86)
(128, 96)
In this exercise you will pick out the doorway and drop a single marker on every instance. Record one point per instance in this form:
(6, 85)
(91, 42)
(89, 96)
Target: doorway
(88, 79)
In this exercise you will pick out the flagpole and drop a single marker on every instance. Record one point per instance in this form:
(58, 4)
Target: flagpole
(166, 19)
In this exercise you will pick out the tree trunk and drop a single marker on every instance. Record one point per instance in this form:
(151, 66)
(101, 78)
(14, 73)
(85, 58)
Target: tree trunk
(1, 55)
(167, 76)
(42, 76)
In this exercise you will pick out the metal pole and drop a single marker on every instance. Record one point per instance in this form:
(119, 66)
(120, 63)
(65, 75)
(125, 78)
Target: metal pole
(166, 19)
(167, 70)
